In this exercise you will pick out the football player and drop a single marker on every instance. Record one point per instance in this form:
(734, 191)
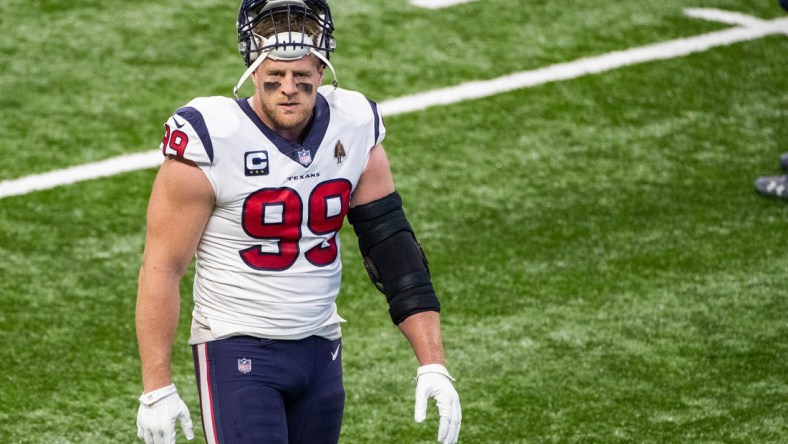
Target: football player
(257, 190)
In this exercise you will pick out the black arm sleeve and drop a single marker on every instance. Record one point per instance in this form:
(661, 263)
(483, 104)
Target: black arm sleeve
(393, 257)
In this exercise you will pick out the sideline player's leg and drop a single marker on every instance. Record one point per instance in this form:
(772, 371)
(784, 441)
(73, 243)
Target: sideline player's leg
(772, 186)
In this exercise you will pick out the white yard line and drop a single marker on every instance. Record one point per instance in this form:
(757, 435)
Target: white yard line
(736, 18)
(581, 67)
(728, 17)
(66, 176)
(437, 4)
(748, 29)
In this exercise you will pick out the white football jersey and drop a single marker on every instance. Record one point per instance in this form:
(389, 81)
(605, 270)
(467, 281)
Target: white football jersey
(268, 262)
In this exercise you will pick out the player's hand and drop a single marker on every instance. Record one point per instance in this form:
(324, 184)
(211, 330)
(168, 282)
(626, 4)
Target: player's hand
(434, 381)
(158, 412)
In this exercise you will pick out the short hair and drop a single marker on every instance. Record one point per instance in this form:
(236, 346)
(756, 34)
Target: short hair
(288, 20)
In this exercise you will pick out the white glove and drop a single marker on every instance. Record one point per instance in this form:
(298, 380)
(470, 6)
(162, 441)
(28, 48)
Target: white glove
(434, 381)
(157, 414)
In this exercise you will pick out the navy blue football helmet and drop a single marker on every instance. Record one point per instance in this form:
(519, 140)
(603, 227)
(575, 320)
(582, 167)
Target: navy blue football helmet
(304, 23)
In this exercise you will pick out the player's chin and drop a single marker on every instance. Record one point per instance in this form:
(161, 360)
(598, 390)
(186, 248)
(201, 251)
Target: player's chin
(293, 111)
(292, 119)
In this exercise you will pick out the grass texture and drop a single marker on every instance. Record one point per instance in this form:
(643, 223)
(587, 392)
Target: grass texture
(607, 273)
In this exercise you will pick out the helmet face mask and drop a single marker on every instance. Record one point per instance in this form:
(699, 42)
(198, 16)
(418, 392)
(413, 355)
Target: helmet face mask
(284, 27)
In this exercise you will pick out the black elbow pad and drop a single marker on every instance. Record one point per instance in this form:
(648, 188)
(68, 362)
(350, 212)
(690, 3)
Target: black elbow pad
(393, 257)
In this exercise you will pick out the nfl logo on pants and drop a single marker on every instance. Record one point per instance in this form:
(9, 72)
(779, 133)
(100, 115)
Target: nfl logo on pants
(244, 365)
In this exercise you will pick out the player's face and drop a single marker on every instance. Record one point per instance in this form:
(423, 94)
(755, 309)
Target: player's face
(285, 94)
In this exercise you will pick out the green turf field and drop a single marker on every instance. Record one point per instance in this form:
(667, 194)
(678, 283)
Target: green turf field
(607, 273)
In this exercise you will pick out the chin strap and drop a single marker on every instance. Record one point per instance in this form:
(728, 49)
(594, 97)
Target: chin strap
(249, 72)
(261, 58)
(324, 59)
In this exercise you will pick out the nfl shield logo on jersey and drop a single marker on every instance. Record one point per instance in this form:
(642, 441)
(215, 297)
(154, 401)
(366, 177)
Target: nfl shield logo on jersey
(304, 157)
(244, 365)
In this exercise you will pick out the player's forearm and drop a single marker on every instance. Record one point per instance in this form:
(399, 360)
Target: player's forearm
(158, 307)
(423, 332)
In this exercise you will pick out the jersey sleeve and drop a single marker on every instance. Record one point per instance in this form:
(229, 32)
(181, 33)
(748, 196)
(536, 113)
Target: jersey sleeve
(379, 127)
(186, 136)
(356, 111)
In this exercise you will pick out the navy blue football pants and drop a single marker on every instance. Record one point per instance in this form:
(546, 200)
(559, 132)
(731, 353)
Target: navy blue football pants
(266, 391)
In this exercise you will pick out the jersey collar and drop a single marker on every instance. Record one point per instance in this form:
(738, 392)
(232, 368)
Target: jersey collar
(316, 131)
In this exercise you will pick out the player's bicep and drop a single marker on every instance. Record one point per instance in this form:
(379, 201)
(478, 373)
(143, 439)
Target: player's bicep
(181, 202)
(376, 180)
